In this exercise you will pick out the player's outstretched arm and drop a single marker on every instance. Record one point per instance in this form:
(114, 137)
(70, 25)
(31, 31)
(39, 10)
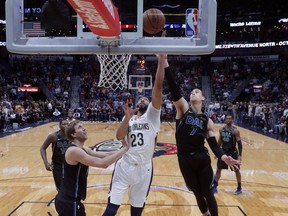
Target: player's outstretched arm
(179, 102)
(158, 84)
(98, 154)
(75, 155)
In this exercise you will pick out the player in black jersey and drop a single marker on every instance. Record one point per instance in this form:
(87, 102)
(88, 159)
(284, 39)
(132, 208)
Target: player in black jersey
(228, 137)
(77, 158)
(192, 128)
(59, 144)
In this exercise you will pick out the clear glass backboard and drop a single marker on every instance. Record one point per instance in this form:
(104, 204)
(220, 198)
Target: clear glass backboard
(188, 33)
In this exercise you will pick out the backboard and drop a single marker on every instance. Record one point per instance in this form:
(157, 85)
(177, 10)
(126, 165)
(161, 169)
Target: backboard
(145, 81)
(142, 84)
(24, 34)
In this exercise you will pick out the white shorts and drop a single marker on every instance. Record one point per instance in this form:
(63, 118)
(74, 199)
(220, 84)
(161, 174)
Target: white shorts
(136, 179)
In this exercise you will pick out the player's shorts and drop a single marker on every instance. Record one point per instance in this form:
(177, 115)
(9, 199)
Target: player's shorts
(134, 178)
(222, 165)
(68, 206)
(57, 175)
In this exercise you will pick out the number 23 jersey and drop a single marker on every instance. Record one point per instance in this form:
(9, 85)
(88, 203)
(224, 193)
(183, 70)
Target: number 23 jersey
(141, 136)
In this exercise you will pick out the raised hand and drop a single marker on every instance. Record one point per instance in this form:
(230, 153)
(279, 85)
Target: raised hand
(129, 112)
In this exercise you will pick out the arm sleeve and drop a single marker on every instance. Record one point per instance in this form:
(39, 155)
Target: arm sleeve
(214, 147)
(175, 92)
(239, 147)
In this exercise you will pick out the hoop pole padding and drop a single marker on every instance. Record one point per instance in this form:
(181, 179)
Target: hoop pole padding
(101, 16)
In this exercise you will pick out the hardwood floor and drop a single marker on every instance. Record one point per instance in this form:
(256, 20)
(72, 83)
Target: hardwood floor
(26, 188)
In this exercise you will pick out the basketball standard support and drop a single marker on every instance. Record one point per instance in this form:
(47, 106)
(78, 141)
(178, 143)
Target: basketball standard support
(203, 43)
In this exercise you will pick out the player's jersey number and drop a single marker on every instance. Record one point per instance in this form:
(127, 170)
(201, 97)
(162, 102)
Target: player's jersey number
(136, 139)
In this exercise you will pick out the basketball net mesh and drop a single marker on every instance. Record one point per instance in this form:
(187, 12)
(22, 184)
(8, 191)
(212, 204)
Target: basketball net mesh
(113, 71)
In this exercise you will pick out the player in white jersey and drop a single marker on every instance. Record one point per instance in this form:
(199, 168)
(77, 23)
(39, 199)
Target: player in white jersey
(133, 173)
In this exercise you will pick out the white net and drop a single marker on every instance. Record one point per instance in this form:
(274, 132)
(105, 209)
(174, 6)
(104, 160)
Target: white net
(113, 71)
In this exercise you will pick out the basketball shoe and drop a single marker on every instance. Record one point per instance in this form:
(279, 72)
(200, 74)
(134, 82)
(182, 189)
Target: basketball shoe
(238, 191)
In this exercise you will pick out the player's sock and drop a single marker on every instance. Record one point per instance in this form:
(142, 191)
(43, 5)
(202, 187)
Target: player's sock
(136, 211)
(239, 185)
(111, 209)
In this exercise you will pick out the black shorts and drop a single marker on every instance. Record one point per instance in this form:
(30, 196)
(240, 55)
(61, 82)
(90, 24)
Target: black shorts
(66, 206)
(222, 165)
(57, 175)
(196, 170)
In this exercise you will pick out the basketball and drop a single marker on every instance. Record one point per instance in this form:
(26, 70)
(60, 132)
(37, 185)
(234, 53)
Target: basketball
(153, 21)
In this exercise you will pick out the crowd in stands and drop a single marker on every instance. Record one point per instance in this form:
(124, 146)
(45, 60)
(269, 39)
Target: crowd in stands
(266, 109)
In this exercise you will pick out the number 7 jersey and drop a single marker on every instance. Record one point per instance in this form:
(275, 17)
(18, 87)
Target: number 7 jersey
(141, 136)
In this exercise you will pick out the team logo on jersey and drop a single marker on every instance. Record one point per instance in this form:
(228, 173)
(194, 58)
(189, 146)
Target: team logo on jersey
(112, 145)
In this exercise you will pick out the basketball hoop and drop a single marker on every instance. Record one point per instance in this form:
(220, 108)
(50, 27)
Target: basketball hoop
(113, 70)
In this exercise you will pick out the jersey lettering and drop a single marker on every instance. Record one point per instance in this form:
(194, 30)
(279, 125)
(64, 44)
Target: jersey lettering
(138, 126)
(194, 121)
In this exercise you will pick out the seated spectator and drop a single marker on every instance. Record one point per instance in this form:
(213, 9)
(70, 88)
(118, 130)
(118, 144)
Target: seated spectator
(279, 128)
(76, 114)
(56, 113)
(221, 117)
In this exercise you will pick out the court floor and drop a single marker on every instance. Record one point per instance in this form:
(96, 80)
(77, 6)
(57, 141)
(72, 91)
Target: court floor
(26, 188)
